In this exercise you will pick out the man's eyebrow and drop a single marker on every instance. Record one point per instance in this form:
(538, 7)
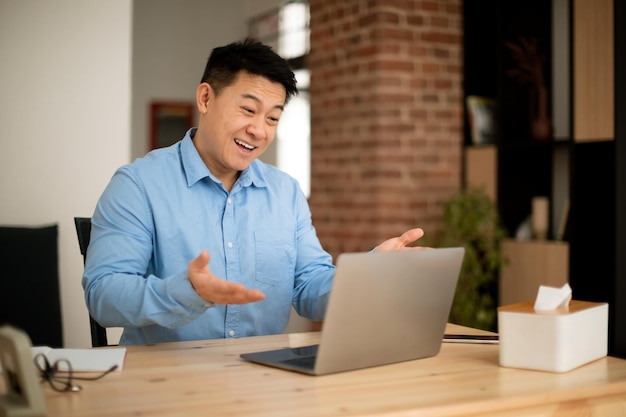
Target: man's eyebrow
(281, 107)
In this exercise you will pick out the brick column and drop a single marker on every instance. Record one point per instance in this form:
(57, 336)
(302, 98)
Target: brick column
(386, 117)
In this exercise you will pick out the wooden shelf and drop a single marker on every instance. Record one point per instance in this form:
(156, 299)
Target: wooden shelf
(530, 264)
(481, 169)
(594, 90)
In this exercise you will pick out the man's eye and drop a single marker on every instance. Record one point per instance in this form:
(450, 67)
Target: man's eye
(272, 121)
(247, 110)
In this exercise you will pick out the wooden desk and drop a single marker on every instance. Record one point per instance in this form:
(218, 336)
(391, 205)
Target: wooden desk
(207, 378)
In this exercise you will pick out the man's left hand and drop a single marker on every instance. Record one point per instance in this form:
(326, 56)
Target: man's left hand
(401, 242)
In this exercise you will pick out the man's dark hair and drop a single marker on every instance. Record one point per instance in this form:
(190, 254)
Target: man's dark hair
(249, 55)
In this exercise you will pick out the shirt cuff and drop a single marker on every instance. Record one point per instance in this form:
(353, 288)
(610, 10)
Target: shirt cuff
(183, 291)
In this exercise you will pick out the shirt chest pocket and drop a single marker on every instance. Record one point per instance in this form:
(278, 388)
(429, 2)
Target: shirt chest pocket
(275, 255)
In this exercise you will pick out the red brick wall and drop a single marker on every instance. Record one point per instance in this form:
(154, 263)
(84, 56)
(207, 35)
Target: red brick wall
(386, 117)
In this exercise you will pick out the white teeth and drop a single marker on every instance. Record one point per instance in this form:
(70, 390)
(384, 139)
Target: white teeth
(244, 144)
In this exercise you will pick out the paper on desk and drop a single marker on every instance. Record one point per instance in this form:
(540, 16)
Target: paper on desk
(551, 298)
(85, 360)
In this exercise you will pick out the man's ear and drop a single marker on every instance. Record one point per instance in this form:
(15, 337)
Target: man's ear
(204, 94)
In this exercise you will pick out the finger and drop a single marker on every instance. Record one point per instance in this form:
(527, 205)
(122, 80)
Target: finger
(236, 293)
(411, 236)
(252, 296)
(201, 261)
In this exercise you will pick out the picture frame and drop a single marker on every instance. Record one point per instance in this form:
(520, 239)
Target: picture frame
(481, 119)
(169, 120)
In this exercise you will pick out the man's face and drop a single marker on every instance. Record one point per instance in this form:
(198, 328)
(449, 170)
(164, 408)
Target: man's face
(238, 125)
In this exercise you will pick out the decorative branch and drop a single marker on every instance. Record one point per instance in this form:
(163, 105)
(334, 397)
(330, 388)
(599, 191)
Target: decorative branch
(530, 70)
(530, 63)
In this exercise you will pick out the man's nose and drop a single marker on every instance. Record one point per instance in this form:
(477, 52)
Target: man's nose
(256, 128)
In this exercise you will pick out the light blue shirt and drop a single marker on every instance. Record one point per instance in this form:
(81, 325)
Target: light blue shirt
(161, 211)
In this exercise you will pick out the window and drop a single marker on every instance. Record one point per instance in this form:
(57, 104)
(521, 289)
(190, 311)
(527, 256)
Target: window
(293, 138)
(286, 29)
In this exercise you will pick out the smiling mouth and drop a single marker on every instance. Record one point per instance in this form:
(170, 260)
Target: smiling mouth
(245, 145)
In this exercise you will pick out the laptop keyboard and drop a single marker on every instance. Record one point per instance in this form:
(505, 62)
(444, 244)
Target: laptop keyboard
(307, 362)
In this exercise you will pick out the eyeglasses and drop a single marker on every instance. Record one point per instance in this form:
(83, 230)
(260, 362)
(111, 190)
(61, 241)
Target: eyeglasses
(60, 375)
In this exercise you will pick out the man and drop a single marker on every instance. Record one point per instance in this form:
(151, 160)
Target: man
(201, 240)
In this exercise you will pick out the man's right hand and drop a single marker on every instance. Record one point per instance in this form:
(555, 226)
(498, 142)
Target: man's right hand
(215, 289)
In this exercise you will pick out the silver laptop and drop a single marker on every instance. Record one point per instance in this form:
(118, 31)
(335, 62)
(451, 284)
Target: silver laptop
(384, 308)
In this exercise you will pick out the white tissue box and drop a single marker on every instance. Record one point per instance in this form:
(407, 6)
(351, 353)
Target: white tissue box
(557, 340)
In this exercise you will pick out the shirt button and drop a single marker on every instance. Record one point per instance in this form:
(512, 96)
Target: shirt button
(229, 201)
(231, 333)
(229, 244)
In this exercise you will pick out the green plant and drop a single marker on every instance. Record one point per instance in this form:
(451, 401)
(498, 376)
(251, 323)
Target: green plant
(471, 220)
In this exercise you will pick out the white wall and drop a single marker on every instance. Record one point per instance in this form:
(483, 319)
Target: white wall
(65, 104)
(65, 108)
(172, 41)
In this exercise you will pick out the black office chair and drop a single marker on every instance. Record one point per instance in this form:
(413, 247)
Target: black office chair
(29, 283)
(83, 230)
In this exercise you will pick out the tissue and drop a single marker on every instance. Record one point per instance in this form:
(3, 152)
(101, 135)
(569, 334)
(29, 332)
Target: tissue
(551, 298)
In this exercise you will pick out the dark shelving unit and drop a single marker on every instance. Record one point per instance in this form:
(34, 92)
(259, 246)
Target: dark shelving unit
(596, 171)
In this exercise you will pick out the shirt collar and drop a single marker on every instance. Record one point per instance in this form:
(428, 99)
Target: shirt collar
(196, 170)
(253, 175)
